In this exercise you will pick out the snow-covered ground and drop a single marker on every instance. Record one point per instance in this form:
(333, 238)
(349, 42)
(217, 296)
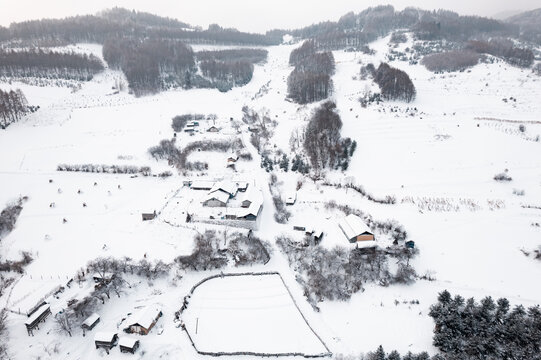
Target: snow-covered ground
(441, 152)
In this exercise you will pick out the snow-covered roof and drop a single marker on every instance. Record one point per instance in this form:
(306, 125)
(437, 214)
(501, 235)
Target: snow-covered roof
(291, 197)
(42, 309)
(226, 186)
(352, 226)
(219, 195)
(91, 319)
(104, 336)
(241, 184)
(145, 317)
(202, 184)
(254, 208)
(128, 342)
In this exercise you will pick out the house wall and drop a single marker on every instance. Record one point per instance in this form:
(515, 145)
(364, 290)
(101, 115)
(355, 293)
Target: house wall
(365, 237)
(214, 203)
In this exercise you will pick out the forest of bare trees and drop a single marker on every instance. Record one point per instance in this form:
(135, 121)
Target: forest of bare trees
(48, 64)
(13, 106)
(151, 65)
(311, 79)
(505, 49)
(450, 60)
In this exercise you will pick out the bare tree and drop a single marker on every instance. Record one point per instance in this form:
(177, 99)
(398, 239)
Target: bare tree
(65, 321)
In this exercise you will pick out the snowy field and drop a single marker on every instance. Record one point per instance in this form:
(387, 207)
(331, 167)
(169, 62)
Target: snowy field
(248, 314)
(447, 152)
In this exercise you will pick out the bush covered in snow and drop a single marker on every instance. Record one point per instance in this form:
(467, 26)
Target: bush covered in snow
(503, 177)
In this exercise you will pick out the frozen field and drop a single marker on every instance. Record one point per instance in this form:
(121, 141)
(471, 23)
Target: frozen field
(248, 314)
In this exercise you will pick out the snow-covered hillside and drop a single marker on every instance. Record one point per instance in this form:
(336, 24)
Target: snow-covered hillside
(437, 155)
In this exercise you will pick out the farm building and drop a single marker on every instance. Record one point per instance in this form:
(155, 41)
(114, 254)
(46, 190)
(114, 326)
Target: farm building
(128, 344)
(213, 129)
(105, 340)
(149, 216)
(354, 229)
(216, 199)
(37, 317)
(103, 278)
(144, 321)
(201, 185)
(91, 322)
(225, 186)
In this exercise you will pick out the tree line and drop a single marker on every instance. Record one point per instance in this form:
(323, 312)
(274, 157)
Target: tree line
(121, 22)
(48, 64)
(13, 106)
(310, 81)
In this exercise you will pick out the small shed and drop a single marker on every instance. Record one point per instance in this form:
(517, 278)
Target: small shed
(103, 278)
(201, 185)
(37, 317)
(91, 322)
(106, 340)
(232, 158)
(213, 129)
(128, 344)
(354, 229)
(149, 216)
(144, 321)
(242, 185)
(291, 198)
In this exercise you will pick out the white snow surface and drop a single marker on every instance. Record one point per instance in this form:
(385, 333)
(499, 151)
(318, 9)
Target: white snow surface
(443, 148)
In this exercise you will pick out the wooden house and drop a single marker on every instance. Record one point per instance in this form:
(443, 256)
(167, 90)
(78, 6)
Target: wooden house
(105, 340)
(128, 344)
(201, 185)
(225, 186)
(216, 199)
(90, 322)
(144, 321)
(354, 229)
(37, 317)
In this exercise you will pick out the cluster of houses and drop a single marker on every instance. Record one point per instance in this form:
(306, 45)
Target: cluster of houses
(193, 126)
(141, 323)
(239, 200)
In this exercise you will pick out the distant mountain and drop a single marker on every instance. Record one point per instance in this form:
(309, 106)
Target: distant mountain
(503, 15)
(126, 16)
(529, 23)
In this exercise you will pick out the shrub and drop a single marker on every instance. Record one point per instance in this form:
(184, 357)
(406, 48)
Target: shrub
(503, 176)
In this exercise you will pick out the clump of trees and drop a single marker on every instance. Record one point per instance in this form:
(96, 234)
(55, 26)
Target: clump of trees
(450, 60)
(166, 150)
(490, 329)
(107, 169)
(13, 106)
(151, 65)
(394, 84)
(49, 64)
(322, 141)
(503, 176)
(209, 254)
(505, 49)
(339, 273)
(226, 75)
(9, 216)
(252, 56)
(398, 38)
(380, 354)
(311, 79)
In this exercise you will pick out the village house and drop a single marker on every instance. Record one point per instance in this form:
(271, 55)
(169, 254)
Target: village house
(216, 199)
(105, 340)
(201, 184)
(90, 322)
(354, 229)
(225, 186)
(144, 321)
(291, 198)
(149, 216)
(213, 129)
(128, 344)
(37, 317)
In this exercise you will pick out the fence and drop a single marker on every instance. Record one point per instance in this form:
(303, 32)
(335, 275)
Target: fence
(250, 353)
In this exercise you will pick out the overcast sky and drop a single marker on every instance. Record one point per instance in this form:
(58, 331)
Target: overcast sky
(246, 15)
